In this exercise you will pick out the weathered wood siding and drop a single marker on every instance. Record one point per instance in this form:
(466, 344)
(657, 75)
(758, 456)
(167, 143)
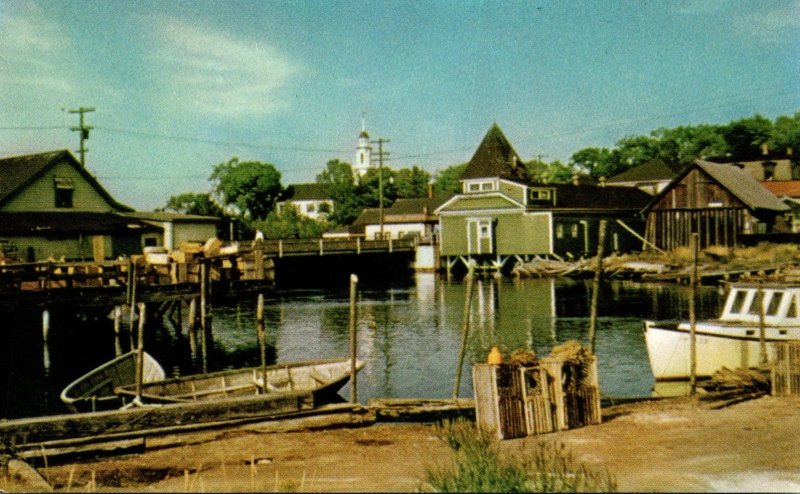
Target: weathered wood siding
(40, 195)
(697, 190)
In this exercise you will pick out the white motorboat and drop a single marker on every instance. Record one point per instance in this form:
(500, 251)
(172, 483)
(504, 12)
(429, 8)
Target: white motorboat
(734, 340)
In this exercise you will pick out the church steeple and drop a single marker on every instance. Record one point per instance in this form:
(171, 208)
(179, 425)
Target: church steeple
(363, 152)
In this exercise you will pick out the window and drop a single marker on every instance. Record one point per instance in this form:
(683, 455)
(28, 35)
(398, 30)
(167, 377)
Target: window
(481, 186)
(774, 303)
(738, 301)
(769, 170)
(795, 170)
(487, 186)
(559, 230)
(474, 187)
(310, 208)
(573, 230)
(63, 192)
(538, 195)
(150, 242)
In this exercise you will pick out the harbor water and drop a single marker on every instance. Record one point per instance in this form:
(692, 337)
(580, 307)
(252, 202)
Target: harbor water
(409, 335)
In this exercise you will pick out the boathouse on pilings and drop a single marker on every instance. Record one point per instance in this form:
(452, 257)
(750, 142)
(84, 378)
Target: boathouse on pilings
(502, 217)
(722, 203)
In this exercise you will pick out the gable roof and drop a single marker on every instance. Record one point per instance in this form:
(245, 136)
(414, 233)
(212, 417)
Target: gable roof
(783, 188)
(655, 169)
(307, 192)
(737, 181)
(18, 172)
(173, 217)
(495, 157)
(569, 196)
(418, 205)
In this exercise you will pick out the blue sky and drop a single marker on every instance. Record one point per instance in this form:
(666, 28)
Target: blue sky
(179, 86)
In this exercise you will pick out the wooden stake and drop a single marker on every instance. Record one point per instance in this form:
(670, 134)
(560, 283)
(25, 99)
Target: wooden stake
(261, 339)
(140, 352)
(762, 330)
(465, 329)
(192, 326)
(203, 314)
(598, 272)
(693, 241)
(353, 339)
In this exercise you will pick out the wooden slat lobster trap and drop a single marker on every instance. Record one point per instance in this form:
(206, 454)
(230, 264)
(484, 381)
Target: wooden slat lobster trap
(556, 393)
(786, 370)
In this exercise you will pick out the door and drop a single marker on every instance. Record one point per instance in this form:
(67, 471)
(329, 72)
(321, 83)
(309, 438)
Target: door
(480, 236)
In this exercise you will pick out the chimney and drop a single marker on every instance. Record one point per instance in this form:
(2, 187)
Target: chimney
(430, 190)
(575, 179)
(601, 181)
(765, 149)
(789, 151)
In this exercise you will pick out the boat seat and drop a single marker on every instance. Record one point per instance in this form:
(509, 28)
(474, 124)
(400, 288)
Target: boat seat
(93, 390)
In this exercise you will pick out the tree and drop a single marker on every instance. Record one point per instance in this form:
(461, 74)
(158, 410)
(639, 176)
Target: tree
(449, 179)
(289, 224)
(786, 134)
(193, 203)
(250, 187)
(598, 162)
(411, 182)
(553, 172)
(347, 205)
(745, 136)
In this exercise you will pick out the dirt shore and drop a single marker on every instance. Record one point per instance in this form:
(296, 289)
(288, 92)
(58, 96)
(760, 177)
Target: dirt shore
(674, 445)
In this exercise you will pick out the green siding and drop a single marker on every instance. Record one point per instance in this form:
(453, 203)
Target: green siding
(40, 195)
(513, 233)
(514, 191)
(480, 201)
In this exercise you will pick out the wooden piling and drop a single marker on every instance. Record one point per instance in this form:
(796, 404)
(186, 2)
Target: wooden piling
(693, 242)
(762, 339)
(353, 340)
(140, 352)
(465, 328)
(45, 325)
(598, 273)
(262, 339)
(204, 314)
(192, 326)
(117, 317)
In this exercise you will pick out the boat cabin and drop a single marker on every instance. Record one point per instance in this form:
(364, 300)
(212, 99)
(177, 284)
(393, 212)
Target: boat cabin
(779, 304)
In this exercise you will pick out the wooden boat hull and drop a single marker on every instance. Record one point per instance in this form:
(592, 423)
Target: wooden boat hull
(717, 345)
(322, 378)
(94, 391)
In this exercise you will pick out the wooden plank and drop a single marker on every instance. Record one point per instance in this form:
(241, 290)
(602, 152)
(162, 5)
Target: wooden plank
(132, 422)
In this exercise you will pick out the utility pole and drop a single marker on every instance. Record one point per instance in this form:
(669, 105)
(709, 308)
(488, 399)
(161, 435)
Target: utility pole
(381, 155)
(84, 132)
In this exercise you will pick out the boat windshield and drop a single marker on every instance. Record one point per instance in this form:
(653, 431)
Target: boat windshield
(751, 303)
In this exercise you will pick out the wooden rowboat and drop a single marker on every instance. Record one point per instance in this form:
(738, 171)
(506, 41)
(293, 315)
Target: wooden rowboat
(322, 378)
(94, 390)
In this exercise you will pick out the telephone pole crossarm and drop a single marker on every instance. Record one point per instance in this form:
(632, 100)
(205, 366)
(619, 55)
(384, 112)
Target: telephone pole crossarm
(84, 131)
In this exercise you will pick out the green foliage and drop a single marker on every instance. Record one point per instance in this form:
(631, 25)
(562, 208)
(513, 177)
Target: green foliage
(251, 187)
(289, 224)
(338, 177)
(554, 172)
(478, 466)
(411, 182)
(448, 180)
(193, 203)
(745, 136)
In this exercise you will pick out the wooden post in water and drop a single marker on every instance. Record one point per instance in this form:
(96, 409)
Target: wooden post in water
(353, 339)
(762, 329)
(132, 301)
(262, 339)
(693, 243)
(203, 314)
(117, 322)
(192, 325)
(598, 273)
(465, 329)
(140, 352)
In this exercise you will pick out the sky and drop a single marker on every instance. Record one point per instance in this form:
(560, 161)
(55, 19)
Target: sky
(178, 87)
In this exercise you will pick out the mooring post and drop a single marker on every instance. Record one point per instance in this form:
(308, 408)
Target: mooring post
(203, 315)
(140, 352)
(693, 245)
(353, 339)
(117, 317)
(262, 340)
(465, 328)
(192, 325)
(45, 325)
(598, 273)
(762, 330)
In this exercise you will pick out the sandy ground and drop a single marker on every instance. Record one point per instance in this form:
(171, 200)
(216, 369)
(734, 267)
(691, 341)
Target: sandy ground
(676, 445)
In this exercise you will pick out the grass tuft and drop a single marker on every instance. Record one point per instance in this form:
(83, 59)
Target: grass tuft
(479, 466)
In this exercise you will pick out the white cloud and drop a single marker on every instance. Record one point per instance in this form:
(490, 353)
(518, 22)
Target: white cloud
(771, 21)
(32, 52)
(213, 73)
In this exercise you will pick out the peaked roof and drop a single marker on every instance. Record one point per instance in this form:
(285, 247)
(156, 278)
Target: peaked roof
(418, 205)
(17, 172)
(569, 196)
(655, 169)
(495, 157)
(307, 192)
(783, 188)
(737, 181)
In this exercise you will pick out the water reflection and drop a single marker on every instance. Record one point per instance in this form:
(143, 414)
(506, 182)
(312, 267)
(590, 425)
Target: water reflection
(409, 336)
